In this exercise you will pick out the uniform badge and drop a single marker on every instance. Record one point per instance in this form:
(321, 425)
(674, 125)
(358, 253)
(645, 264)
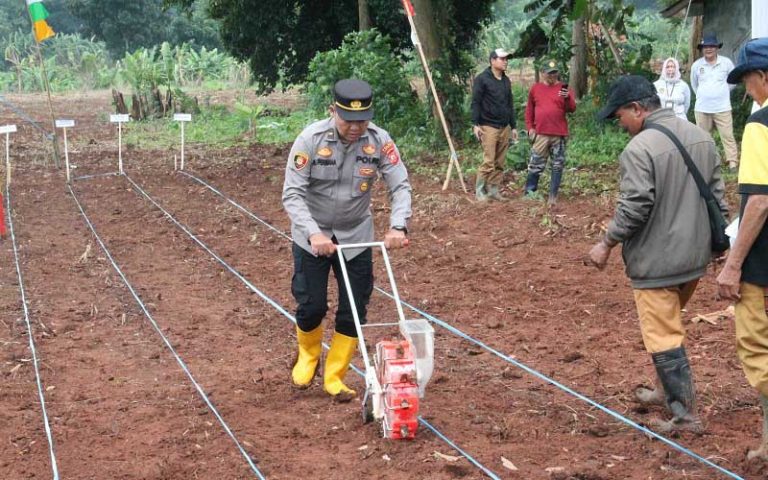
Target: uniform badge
(369, 149)
(391, 152)
(325, 152)
(300, 160)
(366, 172)
(364, 187)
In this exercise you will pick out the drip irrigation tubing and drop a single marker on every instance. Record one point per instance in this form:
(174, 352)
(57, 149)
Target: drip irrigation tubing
(290, 317)
(35, 361)
(25, 117)
(95, 175)
(508, 358)
(165, 339)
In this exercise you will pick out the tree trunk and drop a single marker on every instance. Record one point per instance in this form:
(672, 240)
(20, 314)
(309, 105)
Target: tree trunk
(119, 102)
(136, 107)
(427, 28)
(578, 80)
(696, 32)
(363, 15)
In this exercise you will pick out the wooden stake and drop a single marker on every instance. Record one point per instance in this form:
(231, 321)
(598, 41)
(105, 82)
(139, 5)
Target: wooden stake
(454, 160)
(47, 87)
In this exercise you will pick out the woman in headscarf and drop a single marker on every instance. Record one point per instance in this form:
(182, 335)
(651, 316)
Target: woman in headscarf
(673, 91)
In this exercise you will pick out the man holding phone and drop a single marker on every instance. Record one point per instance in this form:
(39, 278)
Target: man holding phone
(545, 119)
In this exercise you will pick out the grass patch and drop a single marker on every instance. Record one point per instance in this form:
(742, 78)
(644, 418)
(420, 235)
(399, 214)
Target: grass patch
(220, 127)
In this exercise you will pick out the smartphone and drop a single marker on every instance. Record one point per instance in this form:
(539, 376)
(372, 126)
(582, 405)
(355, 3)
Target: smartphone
(564, 87)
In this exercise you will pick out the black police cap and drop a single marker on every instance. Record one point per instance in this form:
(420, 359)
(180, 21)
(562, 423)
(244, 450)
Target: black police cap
(353, 100)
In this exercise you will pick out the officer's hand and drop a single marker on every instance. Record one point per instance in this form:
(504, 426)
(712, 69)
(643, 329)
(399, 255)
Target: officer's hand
(515, 135)
(395, 239)
(322, 246)
(478, 132)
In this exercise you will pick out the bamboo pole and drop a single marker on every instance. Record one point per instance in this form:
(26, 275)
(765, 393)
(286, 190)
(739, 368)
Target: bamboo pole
(47, 87)
(454, 160)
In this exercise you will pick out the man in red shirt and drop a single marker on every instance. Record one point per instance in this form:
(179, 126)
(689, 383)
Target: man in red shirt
(548, 102)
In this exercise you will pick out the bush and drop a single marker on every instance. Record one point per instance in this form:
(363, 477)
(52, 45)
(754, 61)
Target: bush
(367, 56)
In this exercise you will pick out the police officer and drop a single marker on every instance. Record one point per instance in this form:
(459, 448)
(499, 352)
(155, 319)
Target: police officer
(330, 174)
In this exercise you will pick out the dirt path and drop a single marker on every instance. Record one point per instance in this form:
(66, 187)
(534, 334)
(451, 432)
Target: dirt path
(508, 275)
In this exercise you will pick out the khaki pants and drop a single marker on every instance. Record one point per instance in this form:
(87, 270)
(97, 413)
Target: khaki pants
(724, 123)
(495, 144)
(659, 311)
(752, 335)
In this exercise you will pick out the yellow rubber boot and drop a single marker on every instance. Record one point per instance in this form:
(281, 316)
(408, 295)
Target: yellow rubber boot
(336, 366)
(310, 347)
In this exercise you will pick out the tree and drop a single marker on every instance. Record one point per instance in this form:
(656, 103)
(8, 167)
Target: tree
(125, 26)
(602, 23)
(278, 42)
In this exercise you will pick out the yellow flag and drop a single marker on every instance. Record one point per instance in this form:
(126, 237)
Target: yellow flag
(42, 30)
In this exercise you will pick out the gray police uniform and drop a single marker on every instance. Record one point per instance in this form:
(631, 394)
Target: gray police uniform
(327, 190)
(328, 184)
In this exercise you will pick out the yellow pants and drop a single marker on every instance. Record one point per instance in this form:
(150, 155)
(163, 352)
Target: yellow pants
(752, 335)
(495, 145)
(659, 312)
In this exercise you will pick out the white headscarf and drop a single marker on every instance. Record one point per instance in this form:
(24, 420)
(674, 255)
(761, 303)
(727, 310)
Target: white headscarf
(663, 76)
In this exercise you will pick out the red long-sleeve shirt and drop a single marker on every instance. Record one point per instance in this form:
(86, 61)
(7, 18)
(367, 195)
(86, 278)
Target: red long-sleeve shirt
(546, 109)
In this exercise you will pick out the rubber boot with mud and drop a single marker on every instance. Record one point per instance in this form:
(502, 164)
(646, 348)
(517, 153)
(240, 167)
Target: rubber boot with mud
(495, 194)
(554, 188)
(762, 451)
(308, 357)
(531, 183)
(674, 372)
(336, 366)
(651, 396)
(480, 192)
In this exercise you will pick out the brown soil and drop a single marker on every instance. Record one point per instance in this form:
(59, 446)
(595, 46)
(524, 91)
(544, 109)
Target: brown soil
(120, 406)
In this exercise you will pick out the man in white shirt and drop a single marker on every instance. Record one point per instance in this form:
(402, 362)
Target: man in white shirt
(713, 95)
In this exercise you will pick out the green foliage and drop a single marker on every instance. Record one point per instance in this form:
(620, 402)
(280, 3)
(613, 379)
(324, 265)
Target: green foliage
(127, 25)
(593, 143)
(367, 56)
(278, 42)
(179, 66)
(71, 61)
(220, 127)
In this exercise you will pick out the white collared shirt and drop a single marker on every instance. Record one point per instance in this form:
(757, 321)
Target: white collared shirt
(709, 83)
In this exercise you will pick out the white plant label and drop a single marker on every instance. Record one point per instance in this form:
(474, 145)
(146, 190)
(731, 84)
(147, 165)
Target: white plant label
(182, 117)
(8, 129)
(65, 123)
(120, 118)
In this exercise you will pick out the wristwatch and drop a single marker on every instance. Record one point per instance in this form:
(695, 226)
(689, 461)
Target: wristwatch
(400, 228)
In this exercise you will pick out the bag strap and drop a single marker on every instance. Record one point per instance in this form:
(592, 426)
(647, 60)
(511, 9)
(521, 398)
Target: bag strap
(704, 190)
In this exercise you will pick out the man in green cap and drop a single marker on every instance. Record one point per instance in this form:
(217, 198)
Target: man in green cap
(545, 118)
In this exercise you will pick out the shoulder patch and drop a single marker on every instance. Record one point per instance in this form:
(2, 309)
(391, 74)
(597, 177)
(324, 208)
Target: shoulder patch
(325, 152)
(300, 160)
(391, 152)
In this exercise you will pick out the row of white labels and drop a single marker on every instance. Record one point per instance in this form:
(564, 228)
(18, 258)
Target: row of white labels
(119, 118)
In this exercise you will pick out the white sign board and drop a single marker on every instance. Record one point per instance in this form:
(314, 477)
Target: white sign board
(65, 123)
(120, 118)
(182, 117)
(8, 129)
